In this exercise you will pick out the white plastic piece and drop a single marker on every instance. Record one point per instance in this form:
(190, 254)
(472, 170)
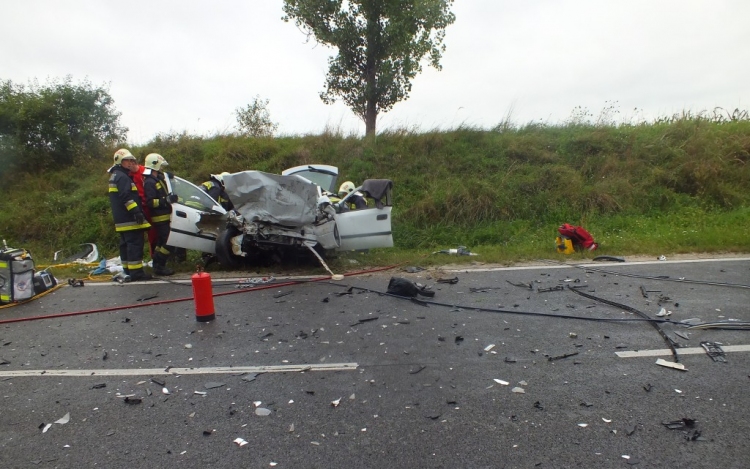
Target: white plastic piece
(499, 381)
(668, 364)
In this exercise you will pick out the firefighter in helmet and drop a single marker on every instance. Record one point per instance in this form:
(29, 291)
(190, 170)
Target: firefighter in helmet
(215, 188)
(355, 202)
(130, 223)
(159, 202)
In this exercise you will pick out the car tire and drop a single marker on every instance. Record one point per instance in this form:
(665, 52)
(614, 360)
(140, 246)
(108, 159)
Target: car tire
(224, 253)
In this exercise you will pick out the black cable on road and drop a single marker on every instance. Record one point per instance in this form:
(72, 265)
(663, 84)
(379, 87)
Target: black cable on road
(667, 339)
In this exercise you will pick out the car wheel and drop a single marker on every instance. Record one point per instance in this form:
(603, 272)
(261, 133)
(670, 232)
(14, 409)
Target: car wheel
(224, 253)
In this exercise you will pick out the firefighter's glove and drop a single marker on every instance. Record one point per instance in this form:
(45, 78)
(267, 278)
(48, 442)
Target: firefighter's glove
(172, 198)
(139, 219)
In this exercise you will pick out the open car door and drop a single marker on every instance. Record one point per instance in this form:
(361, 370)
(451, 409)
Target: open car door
(369, 227)
(193, 206)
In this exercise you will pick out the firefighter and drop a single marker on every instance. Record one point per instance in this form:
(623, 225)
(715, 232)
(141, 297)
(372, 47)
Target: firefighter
(215, 188)
(130, 223)
(355, 202)
(159, 202)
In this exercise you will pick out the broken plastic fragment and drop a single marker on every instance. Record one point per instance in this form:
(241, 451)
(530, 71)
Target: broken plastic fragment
(583, 425)
(262, 412)
(165, 390)
(200, 393)
(668, 364)
(213, 385)
(518, 390)
(257, 403)
(607, 420)
(240, 442)
(489, 347)
(64, 419)
(336, 402)
(500, 381)
(46, 427)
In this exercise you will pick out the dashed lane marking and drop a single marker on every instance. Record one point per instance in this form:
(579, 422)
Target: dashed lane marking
(680, 351)
(235, 370)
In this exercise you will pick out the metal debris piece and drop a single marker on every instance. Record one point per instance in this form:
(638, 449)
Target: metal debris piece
(546, 290)
(565, 355)
(714, 350)
(682, 424)
(158, 381)
(644, 292)
(99, 386)
(522, 285)
(510, 360)
(148, 296)
(668, 364)
(364, 320)
(451, 281)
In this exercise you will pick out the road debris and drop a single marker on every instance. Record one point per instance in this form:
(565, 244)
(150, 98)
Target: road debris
(518, 390)
(262, 412)
(336, 402)
(714, 350)
(64, 419)
(450, 281)
(240, 442)
(500, 381)
(668, 364)
(560, 357)
(133, 400)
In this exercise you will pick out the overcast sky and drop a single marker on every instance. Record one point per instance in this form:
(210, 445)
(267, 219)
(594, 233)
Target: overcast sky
(186, 65)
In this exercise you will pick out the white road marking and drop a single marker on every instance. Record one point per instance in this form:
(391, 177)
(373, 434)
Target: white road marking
(595, 264)
(182, 371)
(680, 351)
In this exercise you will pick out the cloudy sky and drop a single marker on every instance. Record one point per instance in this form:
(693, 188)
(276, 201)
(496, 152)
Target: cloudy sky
(186, 65)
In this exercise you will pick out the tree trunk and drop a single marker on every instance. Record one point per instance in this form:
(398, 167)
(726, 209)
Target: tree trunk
(371, 117)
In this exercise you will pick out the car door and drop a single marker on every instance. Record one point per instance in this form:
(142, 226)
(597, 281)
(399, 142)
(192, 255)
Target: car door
(365, 229)
(193, 207)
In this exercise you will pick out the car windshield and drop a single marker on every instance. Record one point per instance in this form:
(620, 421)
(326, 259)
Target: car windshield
(191, 195)
(325, 180)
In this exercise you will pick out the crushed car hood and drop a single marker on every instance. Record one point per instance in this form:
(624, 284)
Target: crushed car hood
(271, 198)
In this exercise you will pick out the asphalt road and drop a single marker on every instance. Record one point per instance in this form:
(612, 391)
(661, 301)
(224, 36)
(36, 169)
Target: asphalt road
(358, 379)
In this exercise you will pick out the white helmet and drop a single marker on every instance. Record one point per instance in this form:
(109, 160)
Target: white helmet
(220, 177)
(155, 161)
(346, 188)
(123, 154)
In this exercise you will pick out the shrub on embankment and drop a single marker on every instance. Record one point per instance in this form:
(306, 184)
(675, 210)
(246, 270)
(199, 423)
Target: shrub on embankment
(466, 186)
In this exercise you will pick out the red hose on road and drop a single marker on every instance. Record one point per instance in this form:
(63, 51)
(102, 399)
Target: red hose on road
(177, 300)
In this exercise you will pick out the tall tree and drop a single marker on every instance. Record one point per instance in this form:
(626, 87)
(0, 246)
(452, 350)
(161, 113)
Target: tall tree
(380, 43)
(53, 124)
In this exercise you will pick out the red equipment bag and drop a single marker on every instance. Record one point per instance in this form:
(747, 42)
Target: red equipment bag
(580, 237)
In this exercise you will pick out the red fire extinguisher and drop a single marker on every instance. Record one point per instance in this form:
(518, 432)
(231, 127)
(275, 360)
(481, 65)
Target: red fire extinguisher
(203, 297)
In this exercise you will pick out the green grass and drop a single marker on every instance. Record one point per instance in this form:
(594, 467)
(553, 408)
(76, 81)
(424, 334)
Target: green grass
(678, 185)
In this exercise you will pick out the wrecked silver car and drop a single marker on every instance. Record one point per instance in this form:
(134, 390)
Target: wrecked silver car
(277, 215)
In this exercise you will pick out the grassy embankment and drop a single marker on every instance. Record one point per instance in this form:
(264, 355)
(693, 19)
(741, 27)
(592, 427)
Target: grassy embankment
(679, 185)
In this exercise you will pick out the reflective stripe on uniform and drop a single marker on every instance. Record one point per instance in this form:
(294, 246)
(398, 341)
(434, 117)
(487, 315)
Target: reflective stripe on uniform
(160, 218)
